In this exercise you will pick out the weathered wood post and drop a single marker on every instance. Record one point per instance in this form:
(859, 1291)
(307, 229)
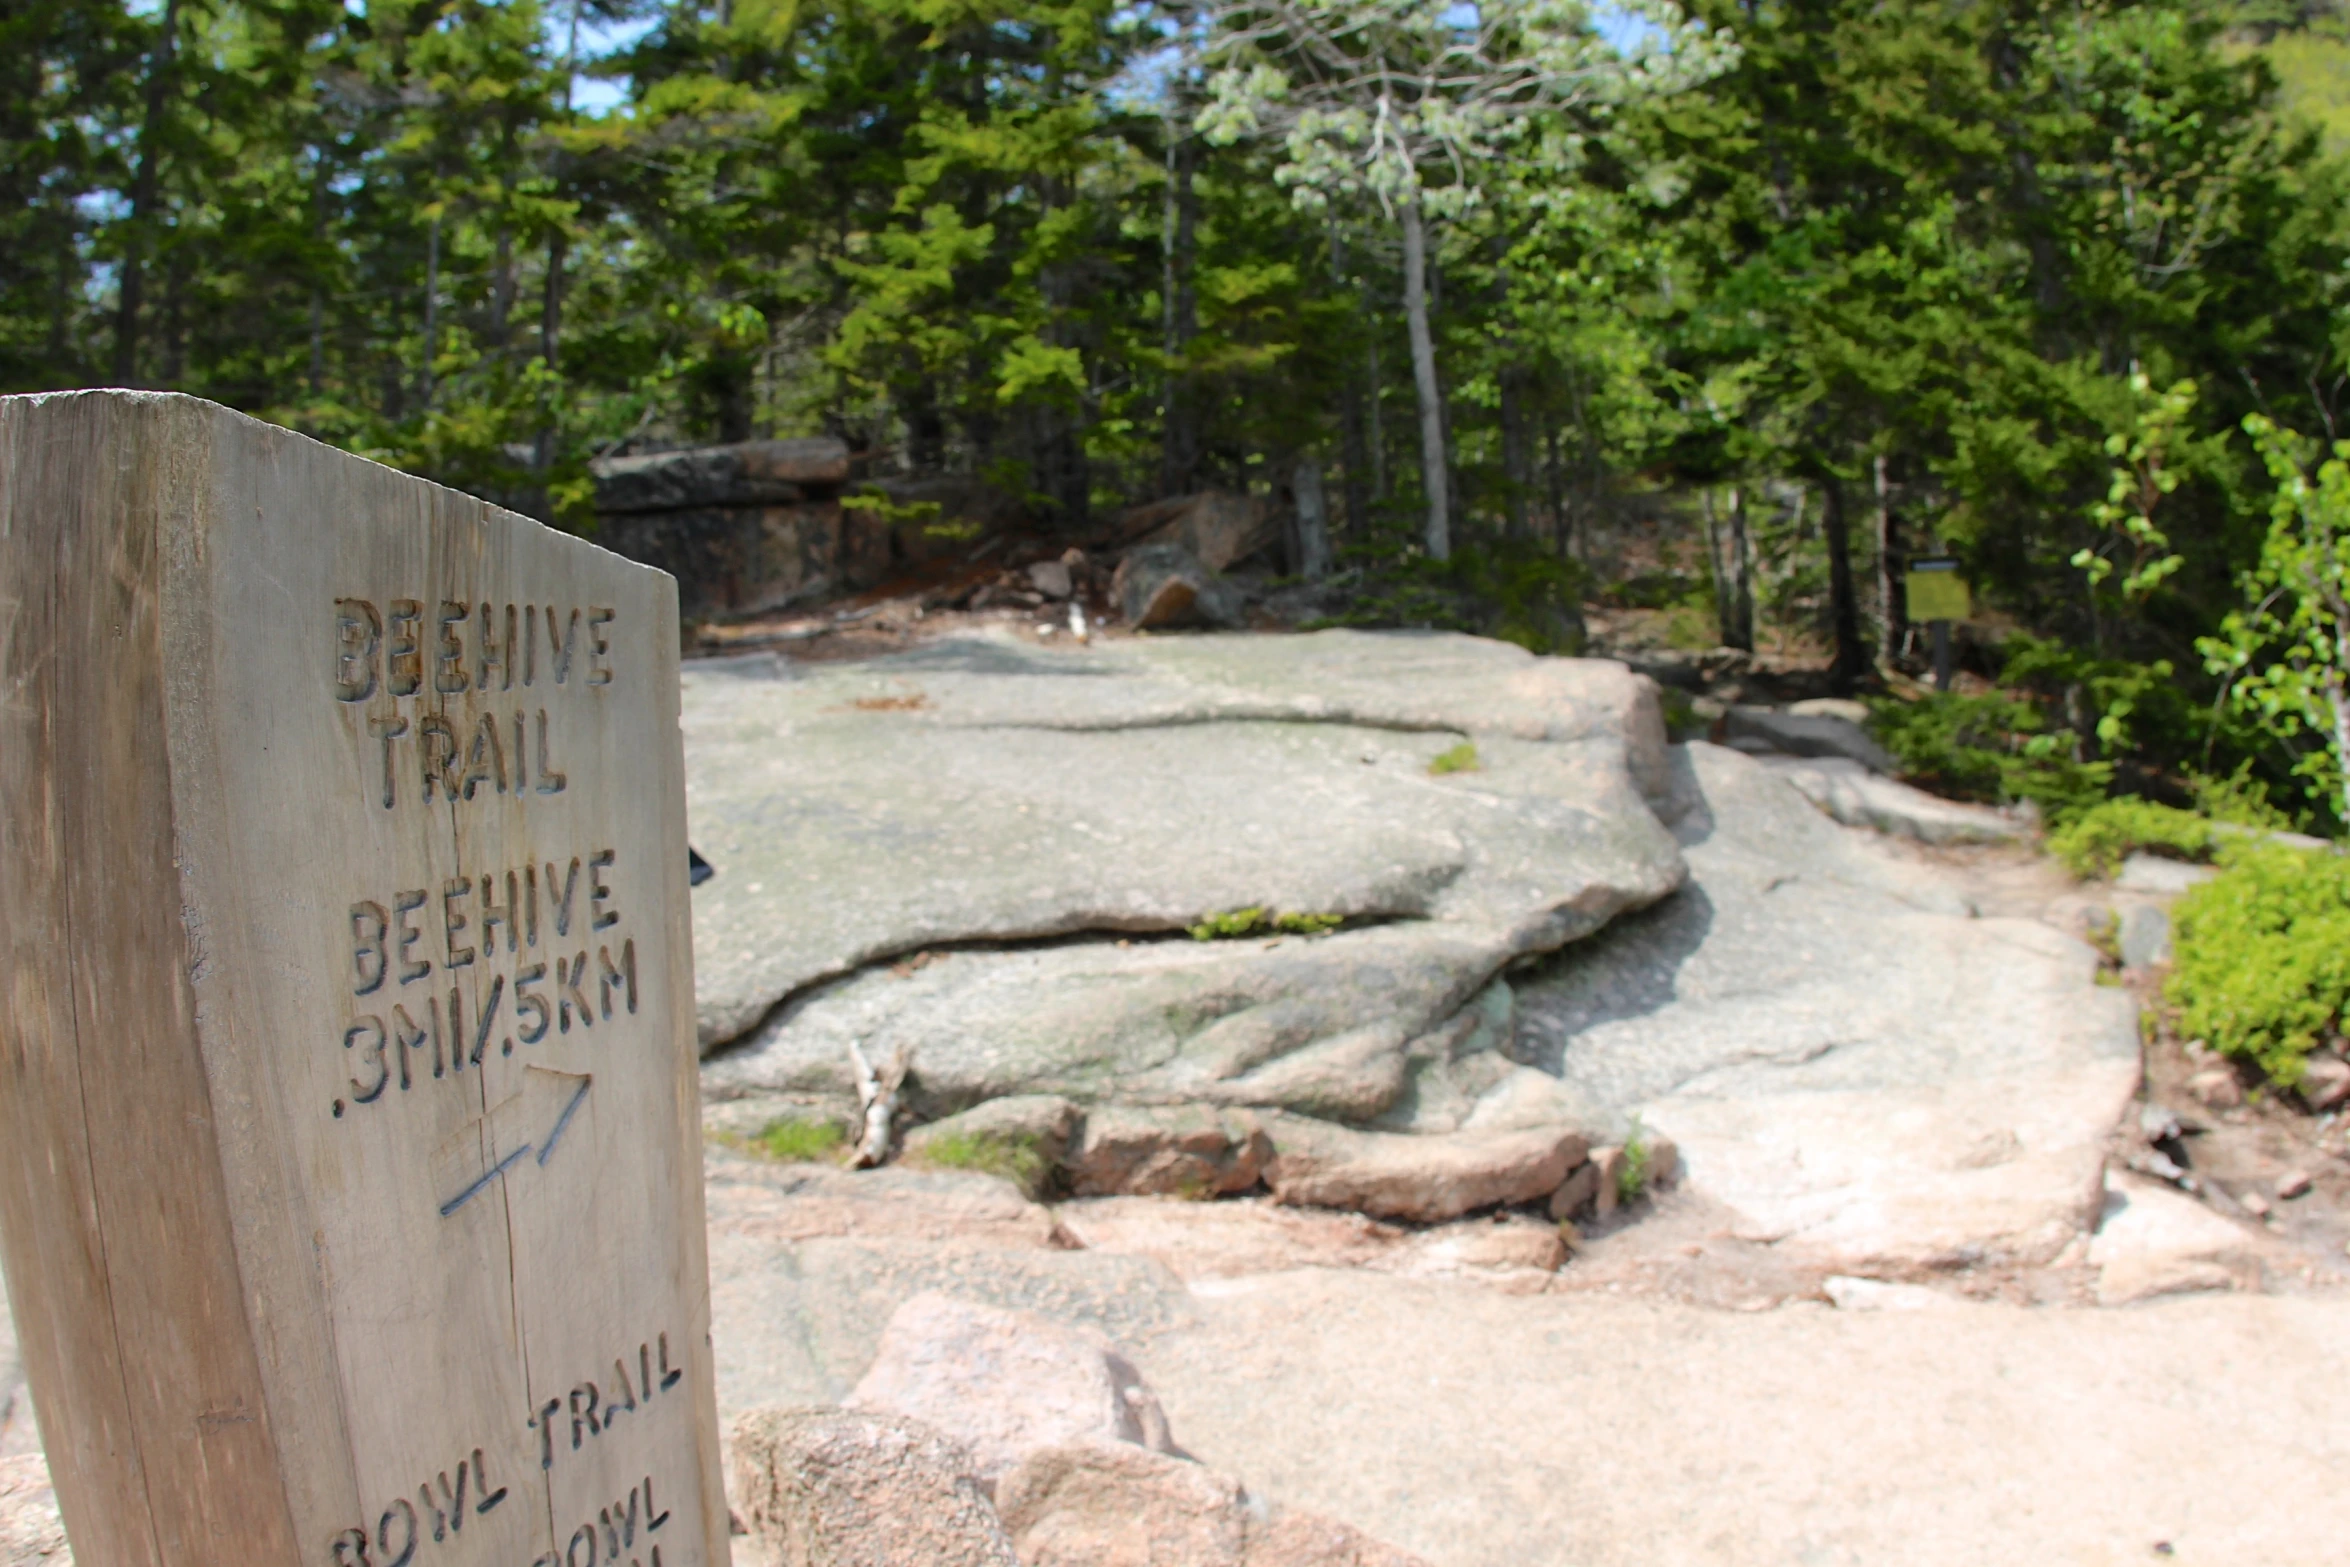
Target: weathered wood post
(349, 1167)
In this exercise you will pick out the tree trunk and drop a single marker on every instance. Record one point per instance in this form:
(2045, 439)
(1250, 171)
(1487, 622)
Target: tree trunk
(1741, 575)
(130, 297)
(551, 306)
(1895, 622)
(432, 307)
(64, 280)
(1313, 528)
(1717, 567)
(1556, 480)
(502, 289)
(550, 337)
(1358, 472)
(1180, 445)
(1843, 601)
(2339, 697)
(1378, 426)
(1517, 465)
(1432, 455)
(175, 332)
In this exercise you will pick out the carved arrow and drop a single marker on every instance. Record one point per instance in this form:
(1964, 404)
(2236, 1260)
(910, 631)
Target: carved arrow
(544, 1146)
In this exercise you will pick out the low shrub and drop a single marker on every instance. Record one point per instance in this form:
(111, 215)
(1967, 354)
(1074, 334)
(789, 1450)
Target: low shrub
(1991, 747)
(2095, 842)
(2261, 955)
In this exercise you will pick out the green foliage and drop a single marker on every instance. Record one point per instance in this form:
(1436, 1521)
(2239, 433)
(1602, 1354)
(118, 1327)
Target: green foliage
(1460, 758)
(1018, 1158)
(1991, 747)
(796, 1140)
(2095, 842)
(1308, 924)
(2147, 470)
(2238, 798)
(2286, 654)
(2262, 964)
(1236, 923)
(1632, 1174)
(1508, 590)
(2034, 267)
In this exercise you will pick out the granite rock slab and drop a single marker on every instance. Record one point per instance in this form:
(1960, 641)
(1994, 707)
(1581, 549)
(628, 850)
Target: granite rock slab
(1855, 1065)
(979, 790)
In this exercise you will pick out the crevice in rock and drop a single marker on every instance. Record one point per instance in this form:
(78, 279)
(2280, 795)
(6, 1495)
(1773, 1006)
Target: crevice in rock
(1099, 931)
(1126, 724)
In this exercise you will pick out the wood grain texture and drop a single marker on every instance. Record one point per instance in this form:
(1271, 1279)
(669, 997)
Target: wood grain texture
(351, 1184)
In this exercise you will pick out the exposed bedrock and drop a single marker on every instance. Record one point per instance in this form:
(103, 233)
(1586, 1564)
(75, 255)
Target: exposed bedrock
(986, 853)
(982, 791)
(1859, 1069)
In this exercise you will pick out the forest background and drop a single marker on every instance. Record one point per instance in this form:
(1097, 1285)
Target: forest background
(1806, 289)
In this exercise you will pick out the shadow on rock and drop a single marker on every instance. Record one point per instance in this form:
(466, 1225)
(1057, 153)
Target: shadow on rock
(1629, 970)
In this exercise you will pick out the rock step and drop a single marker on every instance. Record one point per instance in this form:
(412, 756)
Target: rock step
(1042, 1140)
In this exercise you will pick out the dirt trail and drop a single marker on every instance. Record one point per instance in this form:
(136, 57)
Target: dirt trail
(1487, 1430)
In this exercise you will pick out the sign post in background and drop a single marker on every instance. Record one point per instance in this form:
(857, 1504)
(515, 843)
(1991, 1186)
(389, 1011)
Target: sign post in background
(1934, 592)
(350, 1174)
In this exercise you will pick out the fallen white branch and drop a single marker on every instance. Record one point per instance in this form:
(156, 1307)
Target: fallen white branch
(877, 1101)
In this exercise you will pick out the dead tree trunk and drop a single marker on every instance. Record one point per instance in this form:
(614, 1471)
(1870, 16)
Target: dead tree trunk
(1438, 533)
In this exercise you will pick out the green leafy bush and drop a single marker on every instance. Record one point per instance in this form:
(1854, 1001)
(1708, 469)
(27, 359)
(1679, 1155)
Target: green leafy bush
(1992, 747)
(2262, 955)
(797, 1141)
(2095, 842)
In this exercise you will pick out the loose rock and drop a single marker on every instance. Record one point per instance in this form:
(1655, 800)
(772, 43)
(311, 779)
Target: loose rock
(1812, 733)
(2160, 875)
(1005, 1383)
(1021, 1137)
(2292, 1184)
(2145, 936)
(1175, 1151)
(840, 1488)
(2217, 1087)
(1123, 1507)
(1576, 1193)
(1424, 1179)
(1164, 585)
(1849, 793)
(2325, 1082)
(1096, 1506)
(1217, 526)
(2151, 1241)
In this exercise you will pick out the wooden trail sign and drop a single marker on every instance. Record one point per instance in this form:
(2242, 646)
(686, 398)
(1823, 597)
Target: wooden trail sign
(1933, 590)
(349, 1158)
